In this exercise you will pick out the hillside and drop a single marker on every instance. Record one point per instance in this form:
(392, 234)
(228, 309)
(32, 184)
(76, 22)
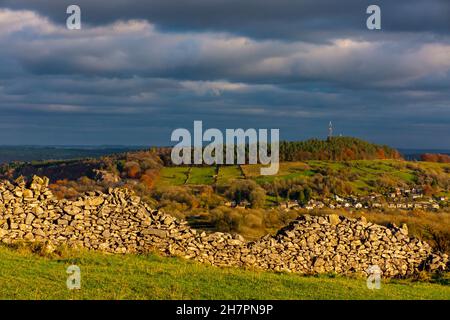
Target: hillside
(335, 148)
(25, 275)
(200, 195)
(204, 195)
(435, 157)
(142, 169)
(70, 178)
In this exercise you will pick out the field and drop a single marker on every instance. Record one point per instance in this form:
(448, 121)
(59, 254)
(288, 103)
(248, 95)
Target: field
(228, 173)
(365, 171)
(287, 170)
(201, 175)
(176, 176)
(360, 174)
(173, 176)
(26, 275)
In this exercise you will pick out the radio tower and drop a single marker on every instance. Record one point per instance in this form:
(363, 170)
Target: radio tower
(330, 131)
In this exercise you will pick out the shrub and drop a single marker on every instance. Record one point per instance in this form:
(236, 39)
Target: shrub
(249, 190)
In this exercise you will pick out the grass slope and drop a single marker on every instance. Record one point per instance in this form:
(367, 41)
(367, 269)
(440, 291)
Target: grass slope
(201, 175)
(24, 275)
(360, 176)
(173, 176)
(228, 174)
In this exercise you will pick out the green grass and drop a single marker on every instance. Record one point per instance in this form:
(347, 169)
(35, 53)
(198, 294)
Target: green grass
(202, 175)
(287, 171)
(365, 171)
(24, 275)
(173, 176)
(228, 173)
(405, 176)
(176, 176)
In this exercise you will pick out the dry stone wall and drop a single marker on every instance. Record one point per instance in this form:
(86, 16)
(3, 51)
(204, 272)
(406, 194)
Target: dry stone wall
(118, 222)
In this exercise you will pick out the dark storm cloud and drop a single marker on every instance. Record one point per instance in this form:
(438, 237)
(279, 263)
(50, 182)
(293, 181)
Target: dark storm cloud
(292, 65)
(138, 50)
(313, 20)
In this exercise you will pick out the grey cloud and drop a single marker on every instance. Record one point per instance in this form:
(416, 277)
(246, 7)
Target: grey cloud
(228, 63)
(310, 20)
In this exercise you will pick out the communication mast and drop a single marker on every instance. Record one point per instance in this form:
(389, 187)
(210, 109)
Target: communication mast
(330, 131)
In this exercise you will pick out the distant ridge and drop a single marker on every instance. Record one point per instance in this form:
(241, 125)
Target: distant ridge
(333, 148)
(415, 154)
(40, 153)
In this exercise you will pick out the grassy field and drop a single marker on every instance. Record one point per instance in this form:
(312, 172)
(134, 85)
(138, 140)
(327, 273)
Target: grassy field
(228, 173)
(176, 176)
(173, 176)
(24, 275)
(287, 170)
(364, 172)
(202, 175)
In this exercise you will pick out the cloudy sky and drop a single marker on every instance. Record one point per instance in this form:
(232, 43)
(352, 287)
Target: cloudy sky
(137, 70)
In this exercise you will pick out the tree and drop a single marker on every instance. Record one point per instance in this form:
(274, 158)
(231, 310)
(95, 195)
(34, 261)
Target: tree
(249, 190)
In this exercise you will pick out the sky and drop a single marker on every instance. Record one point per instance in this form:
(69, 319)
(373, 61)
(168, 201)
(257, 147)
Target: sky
(137, 70)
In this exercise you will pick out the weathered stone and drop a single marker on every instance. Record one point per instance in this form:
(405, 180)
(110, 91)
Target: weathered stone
(29, 219)
(72, 210)
(63, 222)
(119, 222)
(94, 202)
(38, 211)
(334, 219)
(29, 236)
(27, 193)
(155, 232)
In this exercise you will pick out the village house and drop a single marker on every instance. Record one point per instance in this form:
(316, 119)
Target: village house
(400, 199)
(231, 204)
(244, 204)
(289, 205)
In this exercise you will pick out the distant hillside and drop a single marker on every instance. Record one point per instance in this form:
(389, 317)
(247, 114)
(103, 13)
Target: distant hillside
(119, 164)
(416, 154)
(337, 148)
(140, 170)
(435, 157)
(40, 153)
(69, 178)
